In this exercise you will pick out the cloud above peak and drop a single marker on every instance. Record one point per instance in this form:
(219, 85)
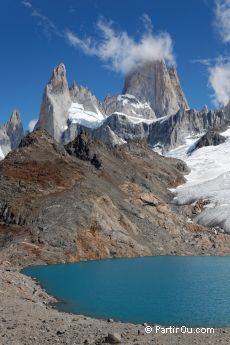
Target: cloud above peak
(120, 51)
(115, 48)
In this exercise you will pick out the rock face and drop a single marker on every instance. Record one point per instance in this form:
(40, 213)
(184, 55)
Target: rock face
(83, 95)
(171, 131)
(129, 105)
(211, 138)
(118, 128)
(82, 147)
(55, 104)
(160, 88)
(63, 107)
(177, 87)
(11, 134)
(166, 133)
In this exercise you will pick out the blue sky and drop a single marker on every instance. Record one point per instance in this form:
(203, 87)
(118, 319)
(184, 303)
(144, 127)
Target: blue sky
(35, 37)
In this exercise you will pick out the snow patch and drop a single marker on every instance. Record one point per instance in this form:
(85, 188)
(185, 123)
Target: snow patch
(77, 114)
(2, 156)
(135, 119)
(132, 100)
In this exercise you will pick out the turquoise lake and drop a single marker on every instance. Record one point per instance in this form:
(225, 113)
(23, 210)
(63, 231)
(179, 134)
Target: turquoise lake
(190, 291)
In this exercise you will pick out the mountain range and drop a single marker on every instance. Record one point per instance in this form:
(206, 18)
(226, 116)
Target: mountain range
(87, 184)
(152, 106)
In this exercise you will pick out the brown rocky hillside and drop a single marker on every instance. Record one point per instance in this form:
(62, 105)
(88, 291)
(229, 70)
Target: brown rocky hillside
(56, 207)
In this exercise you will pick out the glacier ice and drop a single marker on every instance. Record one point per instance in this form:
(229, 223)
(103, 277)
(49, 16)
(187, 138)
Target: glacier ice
(209, 179)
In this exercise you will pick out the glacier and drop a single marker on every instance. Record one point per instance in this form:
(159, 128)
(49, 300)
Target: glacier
(209, 180)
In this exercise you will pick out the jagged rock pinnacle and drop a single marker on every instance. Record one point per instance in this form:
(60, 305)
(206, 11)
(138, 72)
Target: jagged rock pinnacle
(11, 134)
(55, 104)
(154, 84)
(58, 82)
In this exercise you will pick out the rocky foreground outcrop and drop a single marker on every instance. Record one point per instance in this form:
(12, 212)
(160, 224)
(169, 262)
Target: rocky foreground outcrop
(56, 207)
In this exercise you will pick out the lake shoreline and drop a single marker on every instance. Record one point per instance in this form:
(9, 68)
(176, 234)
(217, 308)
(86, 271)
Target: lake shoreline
(103, 289)
(27, 318)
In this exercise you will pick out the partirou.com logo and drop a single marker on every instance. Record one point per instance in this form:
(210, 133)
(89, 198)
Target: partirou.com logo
(173, 330)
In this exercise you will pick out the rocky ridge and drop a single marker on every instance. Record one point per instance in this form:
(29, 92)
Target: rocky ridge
(56, 207)
(211, 138)
(149, 92)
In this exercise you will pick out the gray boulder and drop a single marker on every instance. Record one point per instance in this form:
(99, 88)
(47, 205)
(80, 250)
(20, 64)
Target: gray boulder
(113, 338)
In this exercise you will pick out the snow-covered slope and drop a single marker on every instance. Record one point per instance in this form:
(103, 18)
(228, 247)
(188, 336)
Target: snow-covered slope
(209, 179)
(128, 105)
(77, 114)
(135, 119)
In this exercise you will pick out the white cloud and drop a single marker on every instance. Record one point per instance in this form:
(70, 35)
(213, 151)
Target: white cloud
(115, 48)
(32, 124)
(219, 80)
(27, 4)
(47, 25)
(222, 15)
(122, 52)
(208, 62)
(219, 68)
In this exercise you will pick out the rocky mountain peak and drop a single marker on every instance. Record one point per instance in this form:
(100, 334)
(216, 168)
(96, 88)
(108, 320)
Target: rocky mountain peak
(14, 129)
(58, 82)
(15, 118)
(55, 104)
(153, 83)
(204, 109)
(11, 134)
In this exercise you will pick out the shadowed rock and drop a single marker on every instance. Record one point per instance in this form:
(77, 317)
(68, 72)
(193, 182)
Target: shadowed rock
(211, 138)
(82, 148)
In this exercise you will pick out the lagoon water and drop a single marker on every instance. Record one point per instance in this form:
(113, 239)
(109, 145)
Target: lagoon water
(191, 291)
